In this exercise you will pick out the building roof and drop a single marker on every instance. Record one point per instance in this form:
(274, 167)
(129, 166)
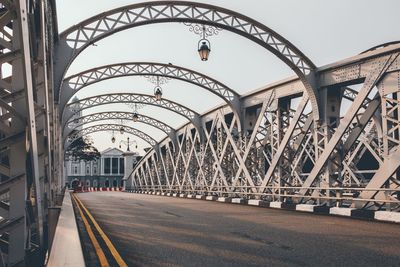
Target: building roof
(112, 151)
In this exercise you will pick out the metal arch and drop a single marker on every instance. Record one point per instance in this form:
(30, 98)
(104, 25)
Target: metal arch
(130, 98)
(109, 127)
(75, 39)
(77, 122)
(72, 84)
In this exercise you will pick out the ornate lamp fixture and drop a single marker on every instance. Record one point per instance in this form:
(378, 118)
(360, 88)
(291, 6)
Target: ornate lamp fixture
(128, 143)
(158, 93)
(204, 49)
(122, 129)
(204, 45)
(113, 138)
(135, 115)
(158, 81)
(135, 107)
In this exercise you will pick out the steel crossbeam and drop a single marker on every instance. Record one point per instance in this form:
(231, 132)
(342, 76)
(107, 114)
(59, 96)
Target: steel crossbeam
(72, 84)
(98, 100)
(109, 127)
(77, 122)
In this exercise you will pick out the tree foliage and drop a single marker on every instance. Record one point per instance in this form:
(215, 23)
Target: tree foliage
(83, 149)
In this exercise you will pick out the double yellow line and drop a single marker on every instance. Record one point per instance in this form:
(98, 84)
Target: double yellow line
(99, 251)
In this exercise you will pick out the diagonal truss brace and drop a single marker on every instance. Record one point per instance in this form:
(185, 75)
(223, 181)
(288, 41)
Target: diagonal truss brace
(369, 83)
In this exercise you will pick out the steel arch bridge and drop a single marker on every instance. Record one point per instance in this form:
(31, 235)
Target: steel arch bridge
(287, 142)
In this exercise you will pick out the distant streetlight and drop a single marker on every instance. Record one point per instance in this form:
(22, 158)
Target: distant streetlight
(128, 143)
(113, 137)
(135, 114)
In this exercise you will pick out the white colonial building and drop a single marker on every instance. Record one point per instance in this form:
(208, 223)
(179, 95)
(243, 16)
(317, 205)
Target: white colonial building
(107, 171)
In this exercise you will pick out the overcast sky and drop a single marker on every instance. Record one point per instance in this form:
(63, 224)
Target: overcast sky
(325, 31)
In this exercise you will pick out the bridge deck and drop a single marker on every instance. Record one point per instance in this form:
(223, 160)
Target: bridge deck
(155, 230)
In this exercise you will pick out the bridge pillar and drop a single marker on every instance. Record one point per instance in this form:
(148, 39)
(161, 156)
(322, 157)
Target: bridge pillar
(330, 101)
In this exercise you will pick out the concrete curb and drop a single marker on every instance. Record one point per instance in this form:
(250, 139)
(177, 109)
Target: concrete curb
(381, 216)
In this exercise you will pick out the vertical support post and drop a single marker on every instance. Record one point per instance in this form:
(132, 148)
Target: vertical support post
(29, 92)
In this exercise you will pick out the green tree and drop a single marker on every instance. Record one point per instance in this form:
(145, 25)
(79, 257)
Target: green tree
(83, 149)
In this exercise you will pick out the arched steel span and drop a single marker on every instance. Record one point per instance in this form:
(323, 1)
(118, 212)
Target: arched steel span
(72, 84)
(75, 39)
(94, 101)
(108, 127)
(72, 124)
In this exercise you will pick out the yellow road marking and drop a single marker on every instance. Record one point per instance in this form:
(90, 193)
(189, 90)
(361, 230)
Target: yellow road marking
(110, 246)
(99, 251)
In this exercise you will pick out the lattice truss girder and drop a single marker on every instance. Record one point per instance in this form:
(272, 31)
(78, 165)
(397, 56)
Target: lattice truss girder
(109, 127)
(125, 116)
(78, 81)
(89, 102)
(94, 29)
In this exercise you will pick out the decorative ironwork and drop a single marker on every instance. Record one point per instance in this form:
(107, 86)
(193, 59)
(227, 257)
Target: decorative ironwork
(158, 80)
(203, 30)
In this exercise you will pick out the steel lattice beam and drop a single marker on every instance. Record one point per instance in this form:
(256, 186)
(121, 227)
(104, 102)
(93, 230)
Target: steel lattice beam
(108, 127)
(128, 116)
(89, 102)
(74, 83)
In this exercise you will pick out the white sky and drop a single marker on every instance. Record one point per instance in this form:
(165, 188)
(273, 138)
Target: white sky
(325, 31)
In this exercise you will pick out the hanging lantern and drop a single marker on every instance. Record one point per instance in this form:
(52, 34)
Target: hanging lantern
(135, 117)
(113, 139)
(122, 130)
(157, 93)
(204, 49)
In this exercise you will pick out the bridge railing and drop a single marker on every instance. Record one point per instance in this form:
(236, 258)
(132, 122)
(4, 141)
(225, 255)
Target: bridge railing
(339, 196)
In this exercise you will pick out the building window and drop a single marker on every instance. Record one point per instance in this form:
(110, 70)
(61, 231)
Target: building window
(95, 169)
(121, 165)
(107, 166)
(115, 165)
(76, 170)
(87, 170)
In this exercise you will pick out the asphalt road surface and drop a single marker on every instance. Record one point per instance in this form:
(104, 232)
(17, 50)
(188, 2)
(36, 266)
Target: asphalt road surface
(152, 230)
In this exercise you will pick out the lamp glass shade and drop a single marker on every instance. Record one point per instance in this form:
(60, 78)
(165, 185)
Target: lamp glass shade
(122, 130)
(135, 117)
(204, 51)
(113, 139)
(158, 93)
